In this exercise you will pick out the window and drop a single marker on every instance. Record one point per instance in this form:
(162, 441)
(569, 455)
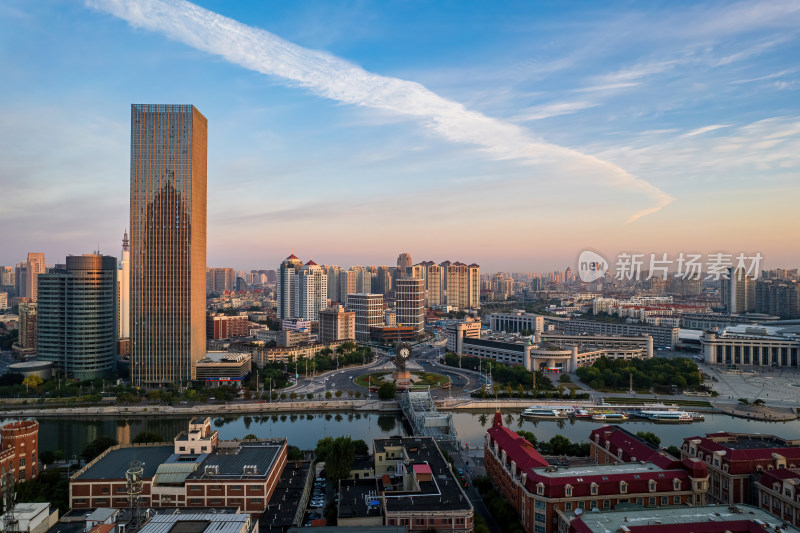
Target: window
(676, 500)
(22, 462)
(664, 500)
(216, 501)
(236, 487)
(258, 500)
(538, 504)
(580, 505)
(539, 517)
(651, 501)
(639, 501)
(606, 504)
(623, 487)
(195, 501)
(540, 489)
(652, 484)
(568, 491)
(594, 489)
(568, 506)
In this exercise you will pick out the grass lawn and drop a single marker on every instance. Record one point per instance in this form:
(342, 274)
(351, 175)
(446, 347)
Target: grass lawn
(423, 379)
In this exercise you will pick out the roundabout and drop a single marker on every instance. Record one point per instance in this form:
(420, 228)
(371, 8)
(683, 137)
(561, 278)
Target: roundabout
(417, 379)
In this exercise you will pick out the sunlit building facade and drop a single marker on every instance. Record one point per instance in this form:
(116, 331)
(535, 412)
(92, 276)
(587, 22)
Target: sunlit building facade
(168, 243)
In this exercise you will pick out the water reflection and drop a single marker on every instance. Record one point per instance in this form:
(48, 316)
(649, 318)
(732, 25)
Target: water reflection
(304, 429)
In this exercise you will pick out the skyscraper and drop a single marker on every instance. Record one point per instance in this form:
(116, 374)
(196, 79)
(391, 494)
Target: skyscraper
(738, 292)
(312, 291)
(168, 238)
(287, 287)
(369, 313)
(36, 266)
(124, 291)
(77, 326)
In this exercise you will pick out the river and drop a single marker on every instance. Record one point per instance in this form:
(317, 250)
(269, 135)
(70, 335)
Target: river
(303, 430)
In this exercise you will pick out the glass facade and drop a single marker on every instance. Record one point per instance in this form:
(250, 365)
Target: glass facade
(168, 243)
(77, 327)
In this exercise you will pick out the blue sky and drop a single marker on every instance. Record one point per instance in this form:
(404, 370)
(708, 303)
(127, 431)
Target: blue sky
(511, 134)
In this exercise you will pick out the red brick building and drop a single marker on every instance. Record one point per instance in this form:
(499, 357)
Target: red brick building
(732, 458)
(613, 444)
(225, 326)
(778, 493)
(19, 442)
(547, 497)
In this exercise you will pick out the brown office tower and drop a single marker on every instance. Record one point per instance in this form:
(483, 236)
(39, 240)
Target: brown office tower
(168, 243)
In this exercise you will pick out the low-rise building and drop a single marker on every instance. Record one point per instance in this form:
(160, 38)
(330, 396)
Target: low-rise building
(733, 459)
(663, 336)
(546, 497)
(30, 518)
(227, 326)
(19, 442)
(458, 331)
(755, 346)
(285, 354)
(705, 519)
(336, 324)
(223, 368)
(414, 488)
(196, 471)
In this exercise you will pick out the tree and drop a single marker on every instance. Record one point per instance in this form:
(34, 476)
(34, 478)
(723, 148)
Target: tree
(47, 457)
(33, 381)
(649, 436)
(338, 394)
(361, 448)
(328, 395)
(387, 391)
(251, 436)
(97, 446)
(674, 451)
(338, 455)
(147, 436)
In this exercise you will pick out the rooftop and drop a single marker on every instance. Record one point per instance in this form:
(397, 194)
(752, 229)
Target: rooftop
(230, 461)
(198, 523)
(115, 463)
(282, 507)
(705, 519)
(356, 497)
(600, 470)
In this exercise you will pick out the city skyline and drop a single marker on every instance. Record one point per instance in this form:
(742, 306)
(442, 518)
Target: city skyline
(535, 131)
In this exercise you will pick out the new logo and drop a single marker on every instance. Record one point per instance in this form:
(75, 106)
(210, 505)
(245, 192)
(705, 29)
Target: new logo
(591, 266)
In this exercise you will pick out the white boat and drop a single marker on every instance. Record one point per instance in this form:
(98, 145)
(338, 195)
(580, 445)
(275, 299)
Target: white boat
(668, 417)
(609, 417)
(543, 412)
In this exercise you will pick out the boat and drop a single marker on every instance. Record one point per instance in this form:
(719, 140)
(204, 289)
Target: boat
(668, 417)
(544, 412)
(697, 417)
(609, 417)
(582, 414)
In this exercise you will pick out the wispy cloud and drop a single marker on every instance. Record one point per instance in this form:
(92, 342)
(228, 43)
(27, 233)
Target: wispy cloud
(337, 79)
(552, 110)
(705, 129)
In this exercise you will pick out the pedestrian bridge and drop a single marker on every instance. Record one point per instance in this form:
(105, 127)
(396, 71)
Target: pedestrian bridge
(420, 411)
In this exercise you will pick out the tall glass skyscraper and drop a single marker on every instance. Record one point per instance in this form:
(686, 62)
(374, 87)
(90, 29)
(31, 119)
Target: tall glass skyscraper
(77, 316)
(168, 243)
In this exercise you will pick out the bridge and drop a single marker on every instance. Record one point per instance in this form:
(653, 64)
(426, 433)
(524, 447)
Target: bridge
(420, 411)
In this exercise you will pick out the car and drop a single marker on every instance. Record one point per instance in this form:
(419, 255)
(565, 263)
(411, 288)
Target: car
(466, 485)
(316, 505)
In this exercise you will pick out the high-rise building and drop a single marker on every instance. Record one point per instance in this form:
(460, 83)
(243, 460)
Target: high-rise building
(347, 283)
(461, 285)
(287, 287)
(334, 294)
(124, 291)
(21, 280)
(3, 300)
(368, 310)
(220, 279)
(382, 281)
(26, 343)
(738, 292)
(77, 326)
(777, 297)
(336, 324)
(7, 278)
(312, 291)
(168, 243)
(404, 262)
(409, 304)
(35, 266)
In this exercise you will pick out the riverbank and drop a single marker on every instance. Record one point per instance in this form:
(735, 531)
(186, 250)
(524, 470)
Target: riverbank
(759, 412)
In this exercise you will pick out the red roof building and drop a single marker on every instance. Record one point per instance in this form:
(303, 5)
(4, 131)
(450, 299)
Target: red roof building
(545, 496)
(613, 444)
(778, 493)
(731, 459)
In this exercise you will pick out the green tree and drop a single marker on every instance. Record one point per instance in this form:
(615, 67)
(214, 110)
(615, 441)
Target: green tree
(328, 394)
(147, 436)
(97, 446)
(32, 382)
(338, 394)
(387, 391)
(649, 436)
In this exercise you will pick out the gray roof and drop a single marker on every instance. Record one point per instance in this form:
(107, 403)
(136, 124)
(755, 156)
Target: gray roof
(116, 462)
(197, 523)
(230, 462)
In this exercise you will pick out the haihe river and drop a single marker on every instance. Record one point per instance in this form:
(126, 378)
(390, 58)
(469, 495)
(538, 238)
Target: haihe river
(303, 430)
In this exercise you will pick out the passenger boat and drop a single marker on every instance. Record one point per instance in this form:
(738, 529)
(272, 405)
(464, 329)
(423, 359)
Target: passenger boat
(543, 412)
(609, 417)
(668, 417)
(582, 414)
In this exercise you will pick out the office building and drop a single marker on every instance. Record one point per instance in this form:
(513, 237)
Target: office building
(220, 279)
(34, 268)
(516, 322)
(227, 326)
(223, 368)
(336, 324)
(461, 285)
(368, 309)
(409, 308)
(382, 280)
(403, 263)
(124, 291)
(663, 336)
(168, 243)
(312, 291)
(287, 287)
(738, 293)
(3, 300)
(347, 284)
(7, 279)
(77, 326)
(21, 280)
(334, 293)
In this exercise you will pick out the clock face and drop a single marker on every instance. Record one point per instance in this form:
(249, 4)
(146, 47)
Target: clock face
(403, 352)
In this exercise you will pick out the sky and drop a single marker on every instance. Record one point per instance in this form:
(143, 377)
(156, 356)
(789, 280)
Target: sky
(510, 134)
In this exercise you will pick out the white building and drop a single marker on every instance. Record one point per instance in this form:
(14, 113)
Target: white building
(369, 312)
(516, 322)
(409, 304)
(312, 291)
